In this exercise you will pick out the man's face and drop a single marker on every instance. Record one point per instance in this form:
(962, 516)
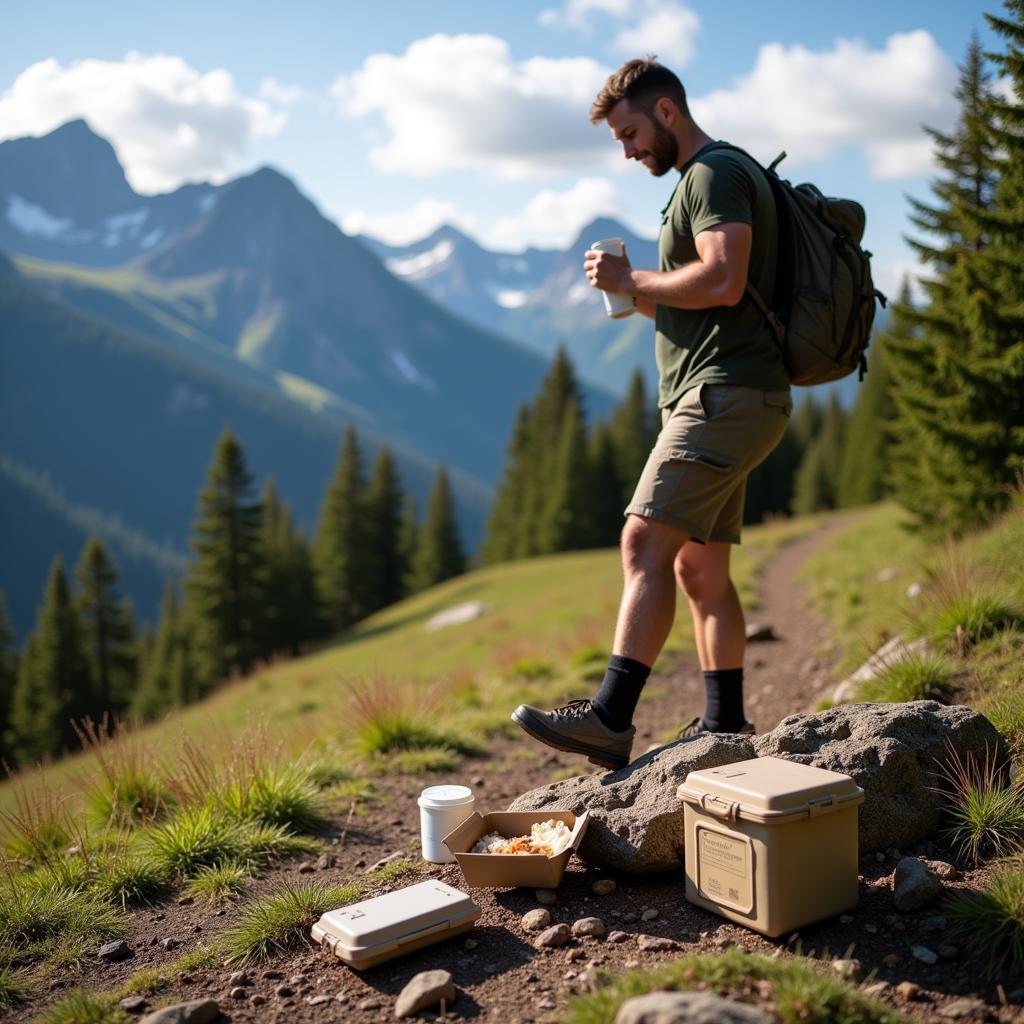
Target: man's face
(643, 138)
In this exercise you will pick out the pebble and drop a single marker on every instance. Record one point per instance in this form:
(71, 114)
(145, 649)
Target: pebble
(272, 975)
(239, 978)
(589, 980)
(284, 991)
(318, 1000)
(871, 929)
(546, 1004)
(368, 1004)
(117, 950)
(964, 1009)
(722, 942)
(478, 781)
(924, 954)
(169, 943)
(536, 920)
(257, 999)
(914, 885)
(325, 861)
(655, 944)
(849, 970)
(133, 1003)
(649, 915)
(556, 935)
(297, 979)
(876, 988)
(629, 917)
(891, 959)
(617, 936)
(593, 926)
(306, 868)
(603, 887)
(237, 992)
(546, 897)
(946, 871)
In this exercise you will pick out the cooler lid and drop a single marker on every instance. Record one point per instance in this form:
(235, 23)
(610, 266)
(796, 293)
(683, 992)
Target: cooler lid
(396, 915)
(771, 786)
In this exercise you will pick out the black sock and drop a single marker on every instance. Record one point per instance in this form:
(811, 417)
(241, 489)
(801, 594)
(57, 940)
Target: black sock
(723, 700)
(616, 700)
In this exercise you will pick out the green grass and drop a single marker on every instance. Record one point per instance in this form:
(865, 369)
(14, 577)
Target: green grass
(129, 879)
(990, 921)
(918, 677)
(216, 884)
(197, 837)
(281, 921)
(420, 761)
(1005, 710)
(84, 1008)
(13, 986)
(277, 794)
(391, 873)
(800, 992)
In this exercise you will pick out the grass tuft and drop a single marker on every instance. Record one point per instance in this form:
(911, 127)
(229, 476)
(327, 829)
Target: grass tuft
(277, 794)
(282, 920)
(986, 813)
(388, 874)
(990, 921)
(197, 837)
(216, 884)
(531, 669)
(918, 677)
(129, 879)
(84, 1008)
(13, 986)
(38, 829)
(418, 762)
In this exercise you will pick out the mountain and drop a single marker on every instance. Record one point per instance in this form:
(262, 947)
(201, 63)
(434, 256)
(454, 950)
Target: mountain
(65, 197)
(539, 298)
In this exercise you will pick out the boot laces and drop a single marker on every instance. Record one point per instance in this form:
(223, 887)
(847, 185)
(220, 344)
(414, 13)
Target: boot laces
(575, 708)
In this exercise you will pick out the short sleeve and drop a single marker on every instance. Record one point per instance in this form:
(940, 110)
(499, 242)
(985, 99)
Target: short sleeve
(718, 190)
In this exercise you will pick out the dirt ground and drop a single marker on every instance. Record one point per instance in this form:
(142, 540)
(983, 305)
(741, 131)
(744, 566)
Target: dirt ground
(499, 974)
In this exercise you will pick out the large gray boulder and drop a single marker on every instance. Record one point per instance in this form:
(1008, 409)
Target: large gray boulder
(636, 820)
(893, 752)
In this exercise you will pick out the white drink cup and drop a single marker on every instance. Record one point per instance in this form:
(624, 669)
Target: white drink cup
(616, 304)
(442, 810)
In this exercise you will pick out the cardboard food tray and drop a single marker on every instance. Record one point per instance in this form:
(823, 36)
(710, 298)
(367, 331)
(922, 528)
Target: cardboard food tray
(526, 869)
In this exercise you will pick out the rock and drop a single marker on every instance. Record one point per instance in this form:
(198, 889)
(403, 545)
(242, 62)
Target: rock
(547, 1003)
(944, 870)
(892, 959)
(603, 887)
(965, 1009)
(456, 615)
(649, 915)
(758, 633)
(238, 992)
(318, 1000)
(891, 652)
(306, 868)
(688, 1008)
(390, 859)
(915, 590)
(617, 936)
(914, 885)
(197, 1011)
(924, 954)
(133, 1004)
(325, 861)
(579, 953)
(556, 935)
(593, 926)
(546, 897)
(908, 990)
(876, 988)
(892, 752)
(849, 970)
(368, 1004)
(239, 978)
(636, 820)
(113, 951)
(536, 920)
(654, 944)
(258, 999)
(273, 975)
(284, 991)
(169, 943)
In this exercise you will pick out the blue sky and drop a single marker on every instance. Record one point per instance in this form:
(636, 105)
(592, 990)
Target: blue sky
(395, 116)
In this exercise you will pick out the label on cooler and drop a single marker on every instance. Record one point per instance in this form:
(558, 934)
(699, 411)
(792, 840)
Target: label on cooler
(725, 868)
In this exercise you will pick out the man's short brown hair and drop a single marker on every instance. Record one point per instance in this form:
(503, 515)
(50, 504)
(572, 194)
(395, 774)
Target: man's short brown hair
(642, 82)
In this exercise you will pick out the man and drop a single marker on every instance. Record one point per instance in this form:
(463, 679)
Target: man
(724, 399)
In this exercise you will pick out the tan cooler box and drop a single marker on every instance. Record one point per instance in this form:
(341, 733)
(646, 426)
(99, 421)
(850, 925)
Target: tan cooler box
(771, 844)
(369, 932)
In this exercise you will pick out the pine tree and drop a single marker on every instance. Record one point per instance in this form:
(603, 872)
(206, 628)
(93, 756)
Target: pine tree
(958, 362)
(224, 588)
(565, 518)
(608, 487)
(290, 608)
(108, 629)
(817, 479)
(8, 665)
(408, 539)
(54, 685)
(505, 522)
(439, 553)
(633, 427)
(340, 555)
(166, 682)
(770, 485)
(384, 507)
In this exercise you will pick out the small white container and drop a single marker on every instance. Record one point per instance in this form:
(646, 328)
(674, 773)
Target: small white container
(442, 810)
(616, 304)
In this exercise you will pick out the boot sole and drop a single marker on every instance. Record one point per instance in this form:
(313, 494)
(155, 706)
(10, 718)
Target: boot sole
(539, 731)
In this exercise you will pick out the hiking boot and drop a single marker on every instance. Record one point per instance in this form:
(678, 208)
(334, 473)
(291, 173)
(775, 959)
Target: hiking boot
(696, 727)
(577, 729)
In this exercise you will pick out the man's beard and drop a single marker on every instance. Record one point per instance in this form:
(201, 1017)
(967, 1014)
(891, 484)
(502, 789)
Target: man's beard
(664, 150)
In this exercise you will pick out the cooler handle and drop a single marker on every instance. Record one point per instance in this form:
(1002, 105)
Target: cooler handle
(728, 809)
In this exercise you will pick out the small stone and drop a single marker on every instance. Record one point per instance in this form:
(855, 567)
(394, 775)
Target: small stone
(891, 959)
(133, 1003)
(272, 975)
(575, 954)
(590, 980)
(297, 979)
(318, 1000)
(284, 991)
(593, 926)
(257, 999)
(649, 915)
(196, 1011)
(654, 944)
(536, 920)
(964, 1009)
(946, 871)
(547, 1003)
(238, 992)
(603, 887)
(239, 978)
(478, 781)
(630, 917)
(546, 897)
(914, 885)
(908, 990)
(617, 936)
(325, 861)
(722, 942)
(871, 929)
(880, 857)
(849, 970)
(368, 1004)
(169, 943)
(113, 951)
(924, 954)
(876, 988)
(846, 918)
(306, 868)
(760, 633)
(556, 935)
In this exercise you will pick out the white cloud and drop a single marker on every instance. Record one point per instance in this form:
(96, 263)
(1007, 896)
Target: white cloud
(455, 102)
(813, 104)
(168, 122)
(401, 227)
(666, 30)
(889, 278)
(553, 219)
(576, 13)
(284, 95)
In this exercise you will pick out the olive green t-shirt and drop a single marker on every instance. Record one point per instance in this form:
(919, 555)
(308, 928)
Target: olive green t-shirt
(722, 344)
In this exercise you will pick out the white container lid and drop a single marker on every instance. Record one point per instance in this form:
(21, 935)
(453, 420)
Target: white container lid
(445, 796)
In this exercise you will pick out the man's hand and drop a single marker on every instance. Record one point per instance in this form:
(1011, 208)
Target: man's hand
(607, 272)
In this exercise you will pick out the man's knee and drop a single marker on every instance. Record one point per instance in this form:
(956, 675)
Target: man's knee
(702, 580)
(649, 545)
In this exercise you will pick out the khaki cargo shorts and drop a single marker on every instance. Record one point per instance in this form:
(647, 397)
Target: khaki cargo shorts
(695, 478)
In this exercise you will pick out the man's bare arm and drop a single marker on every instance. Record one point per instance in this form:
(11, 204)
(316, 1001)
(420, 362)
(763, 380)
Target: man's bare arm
(718, 277)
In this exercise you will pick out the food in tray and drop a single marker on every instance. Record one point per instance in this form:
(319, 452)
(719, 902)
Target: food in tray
(548, 838)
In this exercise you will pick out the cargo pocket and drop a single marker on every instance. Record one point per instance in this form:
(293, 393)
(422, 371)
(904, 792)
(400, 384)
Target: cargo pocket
(716, 462)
